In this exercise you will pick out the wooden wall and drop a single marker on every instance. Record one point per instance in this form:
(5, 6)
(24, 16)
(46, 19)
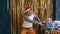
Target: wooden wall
(43, 8)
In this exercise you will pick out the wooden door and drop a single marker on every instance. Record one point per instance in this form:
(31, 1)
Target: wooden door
(42, 8)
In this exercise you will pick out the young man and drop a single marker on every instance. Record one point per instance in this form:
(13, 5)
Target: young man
(28, 21)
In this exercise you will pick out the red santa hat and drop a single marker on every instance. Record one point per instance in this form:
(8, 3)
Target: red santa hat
(27, 9)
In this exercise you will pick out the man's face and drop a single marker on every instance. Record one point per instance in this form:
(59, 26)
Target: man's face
(29, 12)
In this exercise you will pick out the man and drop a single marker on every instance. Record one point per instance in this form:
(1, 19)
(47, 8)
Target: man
(28, 21)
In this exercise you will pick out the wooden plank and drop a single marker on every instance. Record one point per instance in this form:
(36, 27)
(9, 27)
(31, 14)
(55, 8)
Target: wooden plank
(20, 11)
(13, 16)
(18, 15)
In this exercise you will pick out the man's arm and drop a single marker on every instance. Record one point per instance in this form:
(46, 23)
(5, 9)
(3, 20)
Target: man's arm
(35, 16)
(38, 20)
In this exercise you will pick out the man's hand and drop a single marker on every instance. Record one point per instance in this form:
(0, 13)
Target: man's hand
(40, 23)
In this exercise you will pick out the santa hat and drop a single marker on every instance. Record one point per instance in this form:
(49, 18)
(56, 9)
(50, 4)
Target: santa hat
(27, 9)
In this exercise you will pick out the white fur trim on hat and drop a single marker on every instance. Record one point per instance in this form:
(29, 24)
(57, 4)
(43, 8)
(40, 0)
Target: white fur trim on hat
(27, 10)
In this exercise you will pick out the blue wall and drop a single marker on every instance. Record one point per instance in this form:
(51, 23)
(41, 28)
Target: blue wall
(57, 9)
(4, 18)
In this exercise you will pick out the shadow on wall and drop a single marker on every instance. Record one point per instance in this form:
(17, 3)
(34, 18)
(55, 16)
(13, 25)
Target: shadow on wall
(4, 18)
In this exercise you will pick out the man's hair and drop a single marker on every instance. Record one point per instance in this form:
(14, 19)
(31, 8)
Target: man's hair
(28, 8)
